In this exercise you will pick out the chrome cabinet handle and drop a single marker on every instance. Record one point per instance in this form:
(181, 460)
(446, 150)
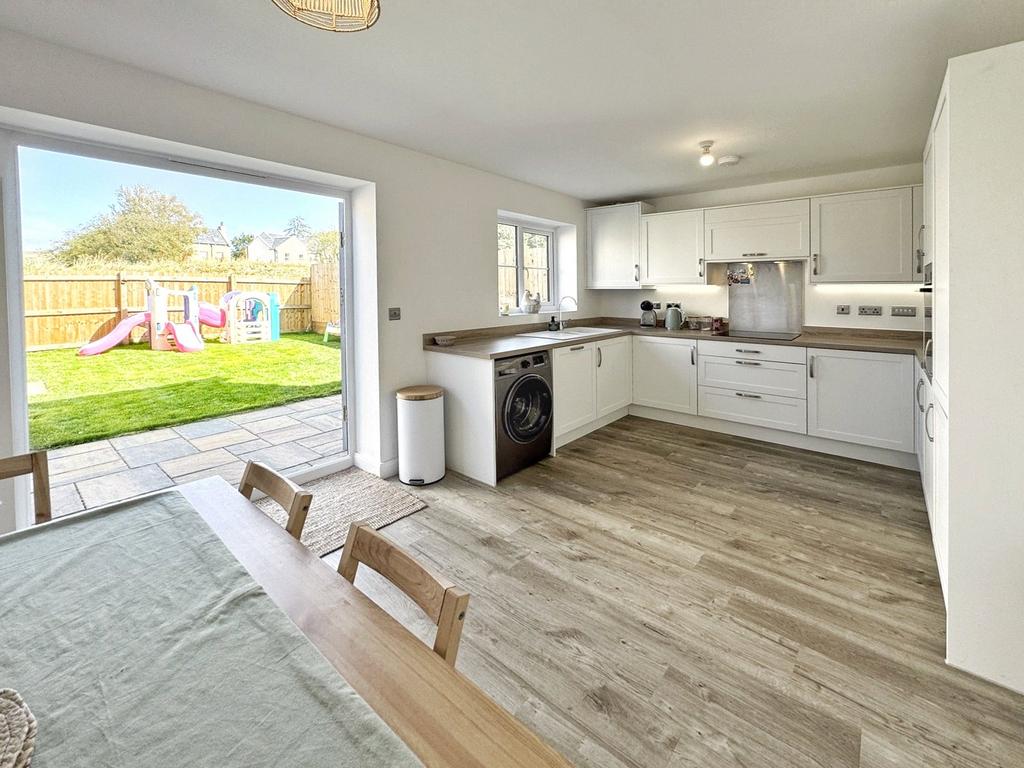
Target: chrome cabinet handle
(693, 355)
(749, 351)
(577, 349)
(927, 347)
(700, 267)
(814, 264)
(931, 437)
(917, 395)
(753, 255)
(744, 394)
(920, 249)
(636, 273)
(810, 366)
(746, 362)
(600, 357)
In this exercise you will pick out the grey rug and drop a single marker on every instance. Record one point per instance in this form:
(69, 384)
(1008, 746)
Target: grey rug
(342, 499)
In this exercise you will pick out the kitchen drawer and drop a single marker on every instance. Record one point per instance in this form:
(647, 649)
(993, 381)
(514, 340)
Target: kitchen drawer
(785, 413)
(746, 351)
(764, 377)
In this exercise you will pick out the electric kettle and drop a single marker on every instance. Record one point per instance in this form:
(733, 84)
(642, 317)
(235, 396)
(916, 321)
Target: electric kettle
(648, 316)
(674, 317)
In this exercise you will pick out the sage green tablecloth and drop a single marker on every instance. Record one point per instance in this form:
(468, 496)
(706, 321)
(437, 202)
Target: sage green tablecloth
(137, 639)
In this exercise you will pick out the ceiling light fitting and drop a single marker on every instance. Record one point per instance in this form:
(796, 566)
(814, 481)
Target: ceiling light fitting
(333, 15)
(706, 158)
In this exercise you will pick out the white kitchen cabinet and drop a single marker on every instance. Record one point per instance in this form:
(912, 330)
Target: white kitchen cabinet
(918, 228)
(614, 365)
(784, 413)
(665, 373)
(938, 515)
(863, 237)
(672, 248)
(927, 231)
(940, 260)
(759, 376)
(613, 245)
(761, 231)
(861, 397)
(575, 393)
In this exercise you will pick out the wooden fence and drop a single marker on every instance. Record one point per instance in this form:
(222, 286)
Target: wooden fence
(71, 310)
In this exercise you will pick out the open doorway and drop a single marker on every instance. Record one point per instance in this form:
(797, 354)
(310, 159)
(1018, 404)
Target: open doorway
(177, 324)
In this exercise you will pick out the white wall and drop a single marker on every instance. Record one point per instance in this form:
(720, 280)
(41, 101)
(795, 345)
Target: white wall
(986, 410)
(819, 300)
(435, 220)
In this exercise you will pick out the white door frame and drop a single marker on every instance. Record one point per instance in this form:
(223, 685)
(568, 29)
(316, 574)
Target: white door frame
(14, 435)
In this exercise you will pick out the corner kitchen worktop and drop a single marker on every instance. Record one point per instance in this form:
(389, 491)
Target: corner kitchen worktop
(494, 343)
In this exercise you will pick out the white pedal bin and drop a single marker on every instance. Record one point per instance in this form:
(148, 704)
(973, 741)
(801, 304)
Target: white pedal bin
(420, 434)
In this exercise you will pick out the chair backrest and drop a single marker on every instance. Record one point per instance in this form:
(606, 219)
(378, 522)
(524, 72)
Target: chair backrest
(441, 600)
(35, 464)
(294, 499)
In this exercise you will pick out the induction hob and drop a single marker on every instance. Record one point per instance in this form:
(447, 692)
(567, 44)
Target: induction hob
(767, 335)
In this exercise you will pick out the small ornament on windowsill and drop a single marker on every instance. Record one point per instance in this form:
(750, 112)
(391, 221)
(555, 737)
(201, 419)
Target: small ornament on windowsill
(530, 303)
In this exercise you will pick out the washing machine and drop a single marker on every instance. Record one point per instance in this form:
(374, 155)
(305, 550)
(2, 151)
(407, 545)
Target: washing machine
(523, 411)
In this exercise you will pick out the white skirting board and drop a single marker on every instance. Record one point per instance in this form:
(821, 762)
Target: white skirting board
(576, 434)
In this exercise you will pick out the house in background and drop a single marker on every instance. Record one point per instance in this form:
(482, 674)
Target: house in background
(268, 246)
(214, 244)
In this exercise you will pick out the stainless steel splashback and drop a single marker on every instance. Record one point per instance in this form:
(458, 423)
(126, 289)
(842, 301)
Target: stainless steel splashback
(770, 300)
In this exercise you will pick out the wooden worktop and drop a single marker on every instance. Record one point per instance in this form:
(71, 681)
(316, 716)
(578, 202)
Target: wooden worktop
(494, 343)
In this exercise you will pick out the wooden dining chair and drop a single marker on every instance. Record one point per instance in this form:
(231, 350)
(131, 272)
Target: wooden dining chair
(294, 499)
(441, 600)
(34, 463)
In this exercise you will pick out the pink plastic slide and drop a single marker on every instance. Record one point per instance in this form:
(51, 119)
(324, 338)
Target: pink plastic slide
(121, 331)
(215, 317)
(185, 337)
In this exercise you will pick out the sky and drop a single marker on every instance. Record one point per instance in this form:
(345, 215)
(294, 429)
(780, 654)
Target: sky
(61, 193)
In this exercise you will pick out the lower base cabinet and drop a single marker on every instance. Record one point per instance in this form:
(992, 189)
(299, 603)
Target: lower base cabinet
(665, 373)
(861, 397)
(614, 371)
(771, 411)
(938, 510)
(575, 396)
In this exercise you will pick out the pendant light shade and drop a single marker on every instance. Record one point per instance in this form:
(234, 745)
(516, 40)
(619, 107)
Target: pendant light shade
(333, 15)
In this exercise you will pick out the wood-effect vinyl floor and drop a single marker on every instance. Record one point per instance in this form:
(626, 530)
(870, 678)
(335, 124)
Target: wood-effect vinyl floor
(658, 596)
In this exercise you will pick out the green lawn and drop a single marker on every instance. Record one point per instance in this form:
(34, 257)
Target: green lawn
(133, 388)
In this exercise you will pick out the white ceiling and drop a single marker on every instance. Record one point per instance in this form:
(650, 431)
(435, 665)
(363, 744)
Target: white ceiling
(597, 98)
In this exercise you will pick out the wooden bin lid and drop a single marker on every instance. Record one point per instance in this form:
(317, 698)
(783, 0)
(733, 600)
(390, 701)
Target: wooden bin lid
(420, 392)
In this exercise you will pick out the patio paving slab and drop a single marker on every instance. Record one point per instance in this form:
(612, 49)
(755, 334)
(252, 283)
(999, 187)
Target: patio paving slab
(73, 450)
(289, 434)
(196, 462)
(232, 473)
(332, 449)
(282, 457)
(222, 439)
(87, 473)
(143, 438)
(269, 425)
(205, 428)
(323, 421)
(248, 447)
(78, 461)
(324, 437)
(65, 500)
(266, 413)
(154, 453)
(123, 485)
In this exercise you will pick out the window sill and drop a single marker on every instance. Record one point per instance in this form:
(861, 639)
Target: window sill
(548, 309)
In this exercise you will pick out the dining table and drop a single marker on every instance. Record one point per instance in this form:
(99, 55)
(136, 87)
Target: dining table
(283, 651)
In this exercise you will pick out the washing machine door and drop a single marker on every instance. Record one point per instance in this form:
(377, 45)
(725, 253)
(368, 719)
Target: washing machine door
(527, 410)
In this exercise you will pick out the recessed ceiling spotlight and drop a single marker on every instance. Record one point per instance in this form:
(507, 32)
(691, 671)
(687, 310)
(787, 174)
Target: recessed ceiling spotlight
(706, 158)
(729, 160)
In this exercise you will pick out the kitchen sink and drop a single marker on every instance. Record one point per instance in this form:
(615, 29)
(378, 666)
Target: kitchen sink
(569, 334)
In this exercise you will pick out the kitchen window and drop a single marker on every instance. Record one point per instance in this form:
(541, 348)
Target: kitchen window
(526, 262)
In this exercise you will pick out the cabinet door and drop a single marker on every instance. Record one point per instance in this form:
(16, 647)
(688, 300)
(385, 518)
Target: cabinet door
(758, 232)
(927, 234)
(939, 517)
(861, 397)
(940, 261)
(918, 228)
(863, 237)
(575, 396)
(665, 373)
(613, 246)
(672, 248)
(614, 374)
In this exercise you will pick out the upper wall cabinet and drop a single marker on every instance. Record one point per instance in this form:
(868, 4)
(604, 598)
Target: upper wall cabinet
(863, 237)
(672, 248)
(919, 253)
(758, 232)
(613, 245)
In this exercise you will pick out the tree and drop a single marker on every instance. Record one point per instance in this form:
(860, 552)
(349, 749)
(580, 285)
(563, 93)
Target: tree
(143, 225)
(240, 246)
(297, 227)
(325, 246)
